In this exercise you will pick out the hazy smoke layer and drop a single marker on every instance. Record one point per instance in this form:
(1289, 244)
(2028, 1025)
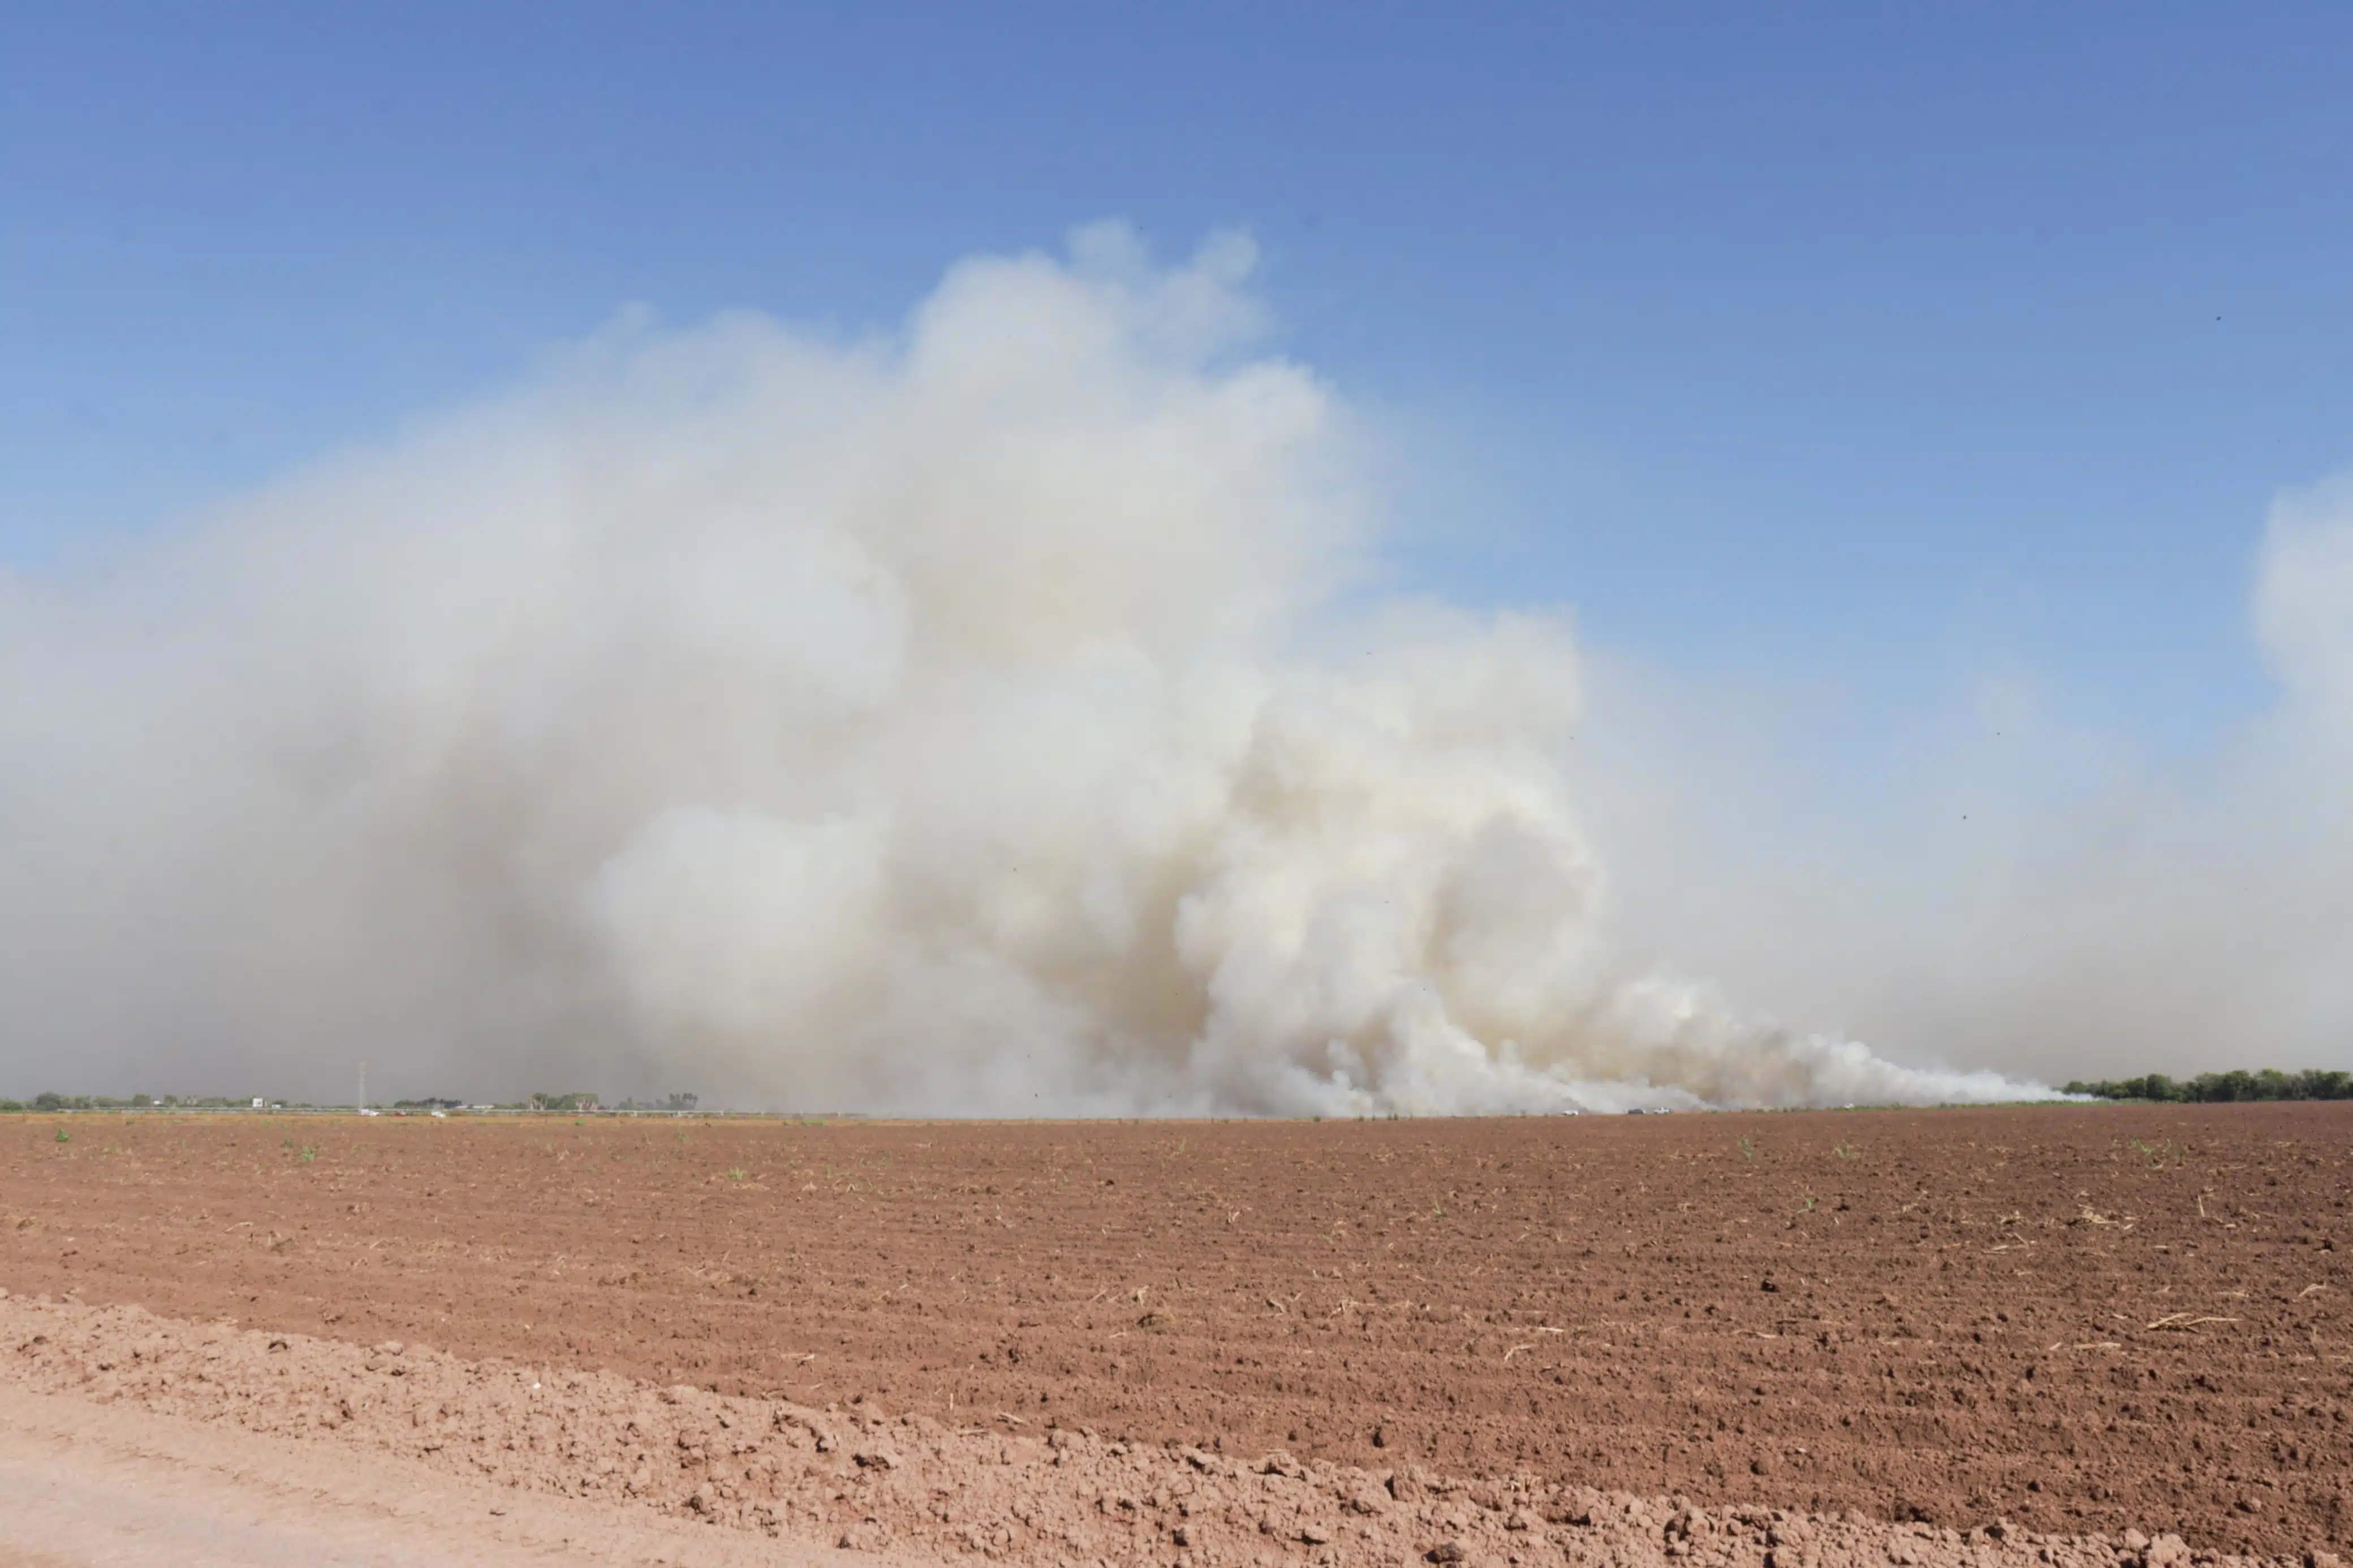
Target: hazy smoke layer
(2008, 883)
(972, 720)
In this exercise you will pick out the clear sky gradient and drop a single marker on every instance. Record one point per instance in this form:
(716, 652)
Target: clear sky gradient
(1860, 344)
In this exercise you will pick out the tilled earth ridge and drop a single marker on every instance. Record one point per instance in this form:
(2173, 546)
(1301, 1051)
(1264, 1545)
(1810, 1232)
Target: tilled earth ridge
(2079, 1318)
(863, 1481)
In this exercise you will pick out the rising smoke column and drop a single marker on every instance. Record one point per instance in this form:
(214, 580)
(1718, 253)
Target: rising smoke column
(991, 716)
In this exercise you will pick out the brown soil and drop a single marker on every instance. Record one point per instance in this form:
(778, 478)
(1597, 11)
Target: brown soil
(119, 1485)
(2076, 1318)
(323, 1428)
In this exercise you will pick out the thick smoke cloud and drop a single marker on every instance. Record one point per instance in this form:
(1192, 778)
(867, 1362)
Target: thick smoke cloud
(997, 717)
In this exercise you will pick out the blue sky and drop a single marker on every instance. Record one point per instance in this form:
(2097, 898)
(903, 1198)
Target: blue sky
(1864, 346)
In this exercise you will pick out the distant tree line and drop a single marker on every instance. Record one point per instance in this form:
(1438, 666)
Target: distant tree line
(579, 1100)
(47, 1102)
(2210, 1087)
(674, 1103)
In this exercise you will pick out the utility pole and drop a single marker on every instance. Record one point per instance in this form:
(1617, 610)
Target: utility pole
(363, 1104)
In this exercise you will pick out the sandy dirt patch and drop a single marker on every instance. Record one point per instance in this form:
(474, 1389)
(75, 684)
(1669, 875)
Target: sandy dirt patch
(85, 1483)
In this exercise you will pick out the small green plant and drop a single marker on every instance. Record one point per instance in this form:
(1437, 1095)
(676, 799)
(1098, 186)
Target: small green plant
(1808, 1207)
(1747, 1149)
(64, 1136)
(1438, 1211)
(737, 1172)
(1844, 1151)
(309, 1153)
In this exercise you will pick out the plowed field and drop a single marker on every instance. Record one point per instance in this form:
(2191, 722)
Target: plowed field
(2076, 1318)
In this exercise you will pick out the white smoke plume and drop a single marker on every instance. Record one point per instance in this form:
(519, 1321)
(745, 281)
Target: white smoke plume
(2019, 887)
(995, 717)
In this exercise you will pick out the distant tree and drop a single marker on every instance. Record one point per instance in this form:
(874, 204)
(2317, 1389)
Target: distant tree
(2224, 1088)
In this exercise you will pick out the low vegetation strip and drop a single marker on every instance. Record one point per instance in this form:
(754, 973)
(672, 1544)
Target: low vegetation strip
(2222, 1087)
